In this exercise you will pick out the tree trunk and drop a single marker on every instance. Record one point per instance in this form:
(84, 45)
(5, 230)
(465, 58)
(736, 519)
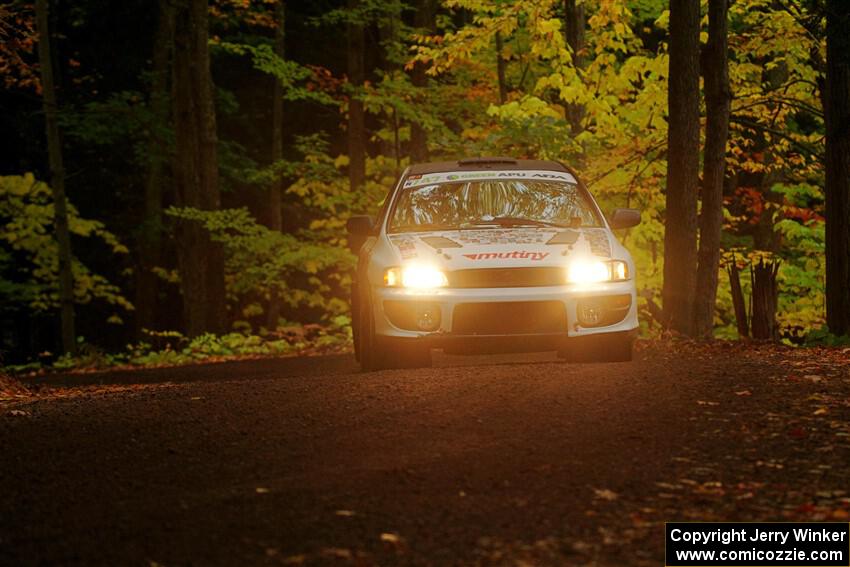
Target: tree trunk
(764, 299)
(356, 118)
(717, 102)
(574, 34)
(680, 246)
(57, 179)
(738, 301)
(217, 314)
(424, 22)
(388, 33)
(500, 70)
(201, 261)
(150, 238)
(837, 113)
(275, 191)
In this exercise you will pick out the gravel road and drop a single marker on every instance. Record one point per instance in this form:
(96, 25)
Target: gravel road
(477, 461)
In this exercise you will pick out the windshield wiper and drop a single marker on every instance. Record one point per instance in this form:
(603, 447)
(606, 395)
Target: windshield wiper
(423, 227)
(513, 221)
(497, 222)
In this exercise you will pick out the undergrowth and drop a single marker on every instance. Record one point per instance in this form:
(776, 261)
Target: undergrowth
(171, 348)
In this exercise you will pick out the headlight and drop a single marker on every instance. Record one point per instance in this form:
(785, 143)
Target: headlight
(416, 277)
(594, 271)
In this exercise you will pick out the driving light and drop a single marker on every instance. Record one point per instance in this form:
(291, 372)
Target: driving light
(415, 277)
(594, 271)
(589, 314)
(428, 317)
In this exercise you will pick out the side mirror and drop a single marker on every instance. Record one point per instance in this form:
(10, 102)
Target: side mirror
(624, 218)
(360, 225)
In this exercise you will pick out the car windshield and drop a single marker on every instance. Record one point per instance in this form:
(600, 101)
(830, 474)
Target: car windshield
(492, 203)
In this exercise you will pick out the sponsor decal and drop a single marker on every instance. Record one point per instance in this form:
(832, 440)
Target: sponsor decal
(454, 176)
(515, 255)
(506, 236)
(439, 242)
(406, 247)
(598, 241)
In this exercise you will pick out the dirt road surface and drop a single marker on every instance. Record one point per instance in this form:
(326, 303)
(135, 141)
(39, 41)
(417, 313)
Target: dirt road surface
(477, 461)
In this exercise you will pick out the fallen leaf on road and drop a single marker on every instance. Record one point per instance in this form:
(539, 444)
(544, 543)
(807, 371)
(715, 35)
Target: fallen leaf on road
(344, 513)
(711, 488)
(18, 413)
(582, 547)
(744, 393)
(821, 411)
(705, 403)
(338, 552)
(390, 538)
(605, 494)
(261, 490)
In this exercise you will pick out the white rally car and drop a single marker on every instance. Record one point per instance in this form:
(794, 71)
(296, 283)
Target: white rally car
(491, 255)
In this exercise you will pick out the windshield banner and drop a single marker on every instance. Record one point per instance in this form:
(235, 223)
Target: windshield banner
(455, 176)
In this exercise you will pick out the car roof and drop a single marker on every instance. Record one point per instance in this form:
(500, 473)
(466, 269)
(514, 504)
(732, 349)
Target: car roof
(479, 163)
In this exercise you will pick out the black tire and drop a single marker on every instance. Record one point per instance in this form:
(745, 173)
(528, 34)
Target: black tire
(614, 347)
(407, 354)
(355, 328)
(372, 356)
(380, 353)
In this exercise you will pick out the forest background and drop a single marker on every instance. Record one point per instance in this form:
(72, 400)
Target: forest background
(211, 153)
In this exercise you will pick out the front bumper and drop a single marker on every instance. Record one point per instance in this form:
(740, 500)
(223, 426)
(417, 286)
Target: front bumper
(446, 300)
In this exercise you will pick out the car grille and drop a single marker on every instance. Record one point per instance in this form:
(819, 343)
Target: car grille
(509, 318)
(507, 277)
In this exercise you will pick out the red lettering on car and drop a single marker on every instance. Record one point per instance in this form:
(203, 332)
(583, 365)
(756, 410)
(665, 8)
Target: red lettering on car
(517, 254)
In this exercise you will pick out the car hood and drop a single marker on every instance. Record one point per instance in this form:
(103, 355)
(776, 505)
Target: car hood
(501, 247)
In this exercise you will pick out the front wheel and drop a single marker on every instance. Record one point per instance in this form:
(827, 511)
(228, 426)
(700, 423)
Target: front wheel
(380, 353)
(371, 355)
(408, 354)
(608, 347)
